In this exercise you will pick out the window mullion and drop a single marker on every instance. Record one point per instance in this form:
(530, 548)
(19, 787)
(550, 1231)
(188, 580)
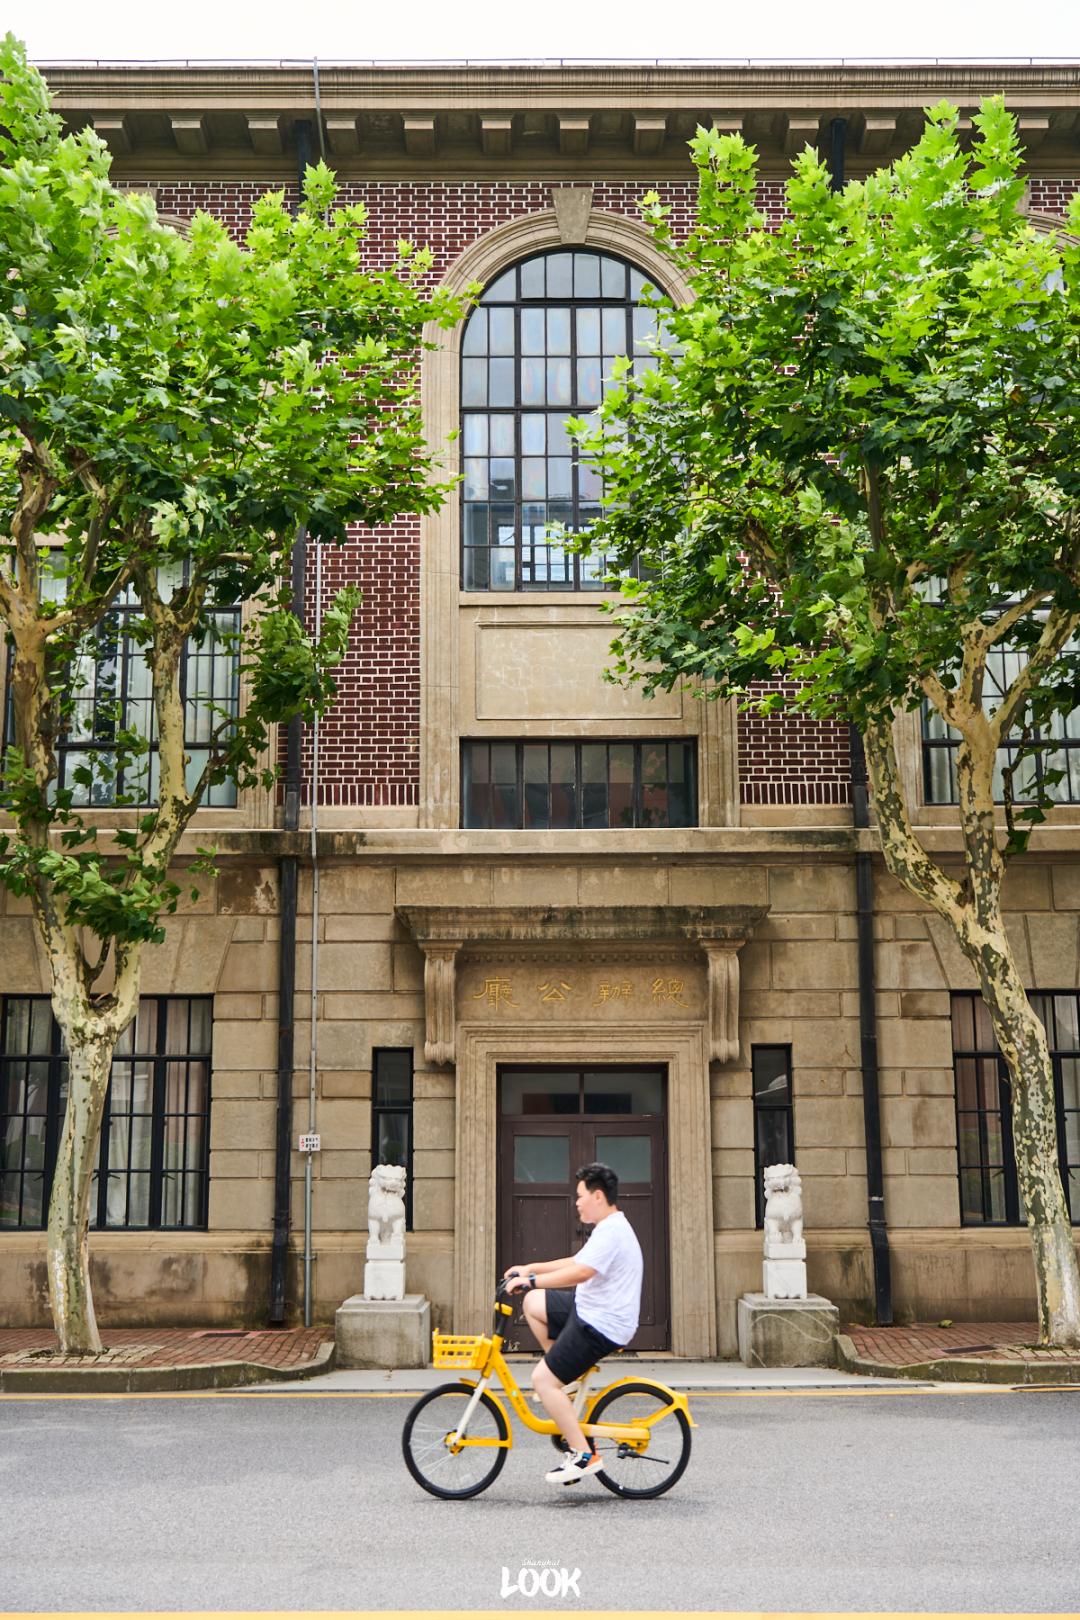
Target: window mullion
(157, 1117)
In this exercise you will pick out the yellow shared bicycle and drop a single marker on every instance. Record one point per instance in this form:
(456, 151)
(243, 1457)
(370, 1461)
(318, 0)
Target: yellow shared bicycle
(457, 1436)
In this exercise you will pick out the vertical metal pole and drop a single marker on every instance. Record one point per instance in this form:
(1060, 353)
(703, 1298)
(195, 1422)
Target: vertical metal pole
(314, 1042)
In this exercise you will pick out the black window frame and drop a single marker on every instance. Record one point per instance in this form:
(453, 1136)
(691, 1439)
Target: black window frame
(160, 1058)
(384, 1110)
(761, 1109)
(585, 573)
(133, 786)
(638, 786)
(1001, 1113)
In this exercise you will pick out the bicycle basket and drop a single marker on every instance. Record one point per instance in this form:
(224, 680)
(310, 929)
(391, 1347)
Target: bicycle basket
(459, 1349)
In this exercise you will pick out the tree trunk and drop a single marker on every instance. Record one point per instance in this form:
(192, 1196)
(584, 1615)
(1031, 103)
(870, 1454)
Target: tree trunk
(973, 912)
(1022, 1040)
(90, 1054)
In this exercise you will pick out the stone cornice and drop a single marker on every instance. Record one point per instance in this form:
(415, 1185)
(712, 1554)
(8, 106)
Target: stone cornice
(434, 119)
(578, 925)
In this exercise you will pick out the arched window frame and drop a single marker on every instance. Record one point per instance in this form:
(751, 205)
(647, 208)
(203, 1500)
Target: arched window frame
(540, 346)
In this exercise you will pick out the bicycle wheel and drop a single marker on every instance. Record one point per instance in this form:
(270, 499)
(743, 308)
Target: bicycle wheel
(661, 1462)
(432, 1463)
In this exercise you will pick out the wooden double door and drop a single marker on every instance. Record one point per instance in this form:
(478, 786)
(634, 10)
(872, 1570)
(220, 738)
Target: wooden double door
(552, 1120)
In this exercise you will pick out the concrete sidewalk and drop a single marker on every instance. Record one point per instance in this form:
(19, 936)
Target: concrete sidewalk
(957, 1352)
(681, 1375)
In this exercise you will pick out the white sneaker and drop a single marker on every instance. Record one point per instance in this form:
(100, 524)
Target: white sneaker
(574, 1466)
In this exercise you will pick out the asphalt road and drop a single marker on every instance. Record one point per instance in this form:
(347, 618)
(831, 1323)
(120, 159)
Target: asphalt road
(954, 1501)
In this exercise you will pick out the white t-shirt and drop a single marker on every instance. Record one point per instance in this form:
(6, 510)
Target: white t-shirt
(610, 1302)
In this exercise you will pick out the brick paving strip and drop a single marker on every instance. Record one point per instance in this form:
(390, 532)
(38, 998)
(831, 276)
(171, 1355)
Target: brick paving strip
(986, 1352)
(163, 1358)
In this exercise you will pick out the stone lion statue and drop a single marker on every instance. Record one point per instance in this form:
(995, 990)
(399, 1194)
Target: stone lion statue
(386, 1203)
(783, 1204)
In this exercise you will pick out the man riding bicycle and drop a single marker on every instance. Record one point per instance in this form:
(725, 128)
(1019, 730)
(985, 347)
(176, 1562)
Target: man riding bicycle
(580, 1309)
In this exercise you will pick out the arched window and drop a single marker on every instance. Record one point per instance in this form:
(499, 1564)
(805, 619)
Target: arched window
(540, 347)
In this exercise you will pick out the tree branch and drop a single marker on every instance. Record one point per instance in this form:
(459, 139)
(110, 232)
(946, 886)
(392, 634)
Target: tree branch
(1060, 625)
(905, 857)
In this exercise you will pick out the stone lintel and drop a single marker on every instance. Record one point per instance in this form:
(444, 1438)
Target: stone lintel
(727, 123)
(1033, 131)
(725, 927)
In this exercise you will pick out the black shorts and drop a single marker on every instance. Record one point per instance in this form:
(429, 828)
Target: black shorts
(577, 1346)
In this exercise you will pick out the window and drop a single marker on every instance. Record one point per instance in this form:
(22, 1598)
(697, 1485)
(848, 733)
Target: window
(774, 1115)
(392, 1114)
(989, 1194)
(579, 784)
(153, 1162)
(116, 694)
(1059, 748)
(540, 347)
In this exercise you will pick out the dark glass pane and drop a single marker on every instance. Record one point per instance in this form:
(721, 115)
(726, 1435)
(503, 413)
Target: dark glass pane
(544, 1159)
(971, 1202)
(629, 1156)
(623, 1091)
(476, 572)
(392, 1138)
(563, 776)
(621, 785)
(476, 524)
(1067, 1035)
(963, 1024)
(771, 1076)
(393, 1076)
(967, 1082)
(502, 478)
(772, 1136)
(539, 1091)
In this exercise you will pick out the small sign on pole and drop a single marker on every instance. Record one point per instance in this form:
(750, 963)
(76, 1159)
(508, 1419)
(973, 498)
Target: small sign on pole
(310, 1143)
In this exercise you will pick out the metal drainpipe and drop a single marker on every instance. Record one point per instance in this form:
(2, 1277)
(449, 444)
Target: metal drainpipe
(864, 901)
(287, 883)
(313, 1065)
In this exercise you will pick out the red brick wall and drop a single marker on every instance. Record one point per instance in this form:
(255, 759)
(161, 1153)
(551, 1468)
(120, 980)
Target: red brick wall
(369, 742)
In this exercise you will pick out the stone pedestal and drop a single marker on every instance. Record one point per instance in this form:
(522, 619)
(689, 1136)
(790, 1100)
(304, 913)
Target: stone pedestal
(383, 1332)
(784, 1279)
(787, 1332)
(384, 1279)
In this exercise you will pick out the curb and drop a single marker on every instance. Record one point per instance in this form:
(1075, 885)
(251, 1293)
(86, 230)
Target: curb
(156, 1380)
(955, 1370)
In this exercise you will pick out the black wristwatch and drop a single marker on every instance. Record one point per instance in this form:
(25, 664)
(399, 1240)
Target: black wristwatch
(532, 1279)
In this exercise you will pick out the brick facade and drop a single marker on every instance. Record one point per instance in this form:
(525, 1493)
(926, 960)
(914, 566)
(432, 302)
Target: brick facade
(369, 753)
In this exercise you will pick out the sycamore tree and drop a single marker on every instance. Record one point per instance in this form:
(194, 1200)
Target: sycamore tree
(172, 407)
(854, 474)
